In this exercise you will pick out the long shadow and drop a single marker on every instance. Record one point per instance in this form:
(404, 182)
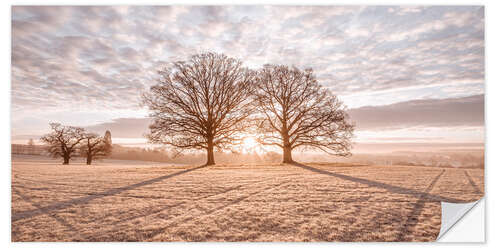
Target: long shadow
(161, 209)
(54, 216)
(412, 218)
(472, 183)
(86, 199)
(388, 187)
(152, 233)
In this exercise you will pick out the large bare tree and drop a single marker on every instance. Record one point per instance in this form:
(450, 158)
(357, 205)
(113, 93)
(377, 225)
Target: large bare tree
(63, 141)
(95, 146)
(298, 112)
(201, 103)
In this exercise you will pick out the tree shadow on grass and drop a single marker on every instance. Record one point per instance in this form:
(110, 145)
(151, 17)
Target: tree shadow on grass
(411, 218)
(82, 200)
(54, 216)
(476, 188)
(388, 187)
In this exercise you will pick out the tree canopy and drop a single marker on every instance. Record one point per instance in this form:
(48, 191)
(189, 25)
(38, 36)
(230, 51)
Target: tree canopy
(63, 141)
(297, 112)
(94, 146)
(201, 103)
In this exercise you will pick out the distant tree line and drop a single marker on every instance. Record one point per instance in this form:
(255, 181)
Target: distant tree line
(209, 101)
(67, 142)
(140, 154)
(28, 149)
(166, 155)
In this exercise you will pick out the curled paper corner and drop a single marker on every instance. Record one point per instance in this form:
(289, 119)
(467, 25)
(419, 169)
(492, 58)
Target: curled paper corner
(451, 213)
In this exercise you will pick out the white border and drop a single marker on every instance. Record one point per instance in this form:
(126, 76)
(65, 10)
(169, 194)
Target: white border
(492, 19)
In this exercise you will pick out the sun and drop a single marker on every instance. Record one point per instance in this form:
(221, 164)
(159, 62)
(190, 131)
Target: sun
(249, 144)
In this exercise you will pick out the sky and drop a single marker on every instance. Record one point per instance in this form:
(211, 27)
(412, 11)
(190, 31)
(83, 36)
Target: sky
(407, 74)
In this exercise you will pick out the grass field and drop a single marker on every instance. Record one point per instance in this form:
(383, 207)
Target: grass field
(137, 201)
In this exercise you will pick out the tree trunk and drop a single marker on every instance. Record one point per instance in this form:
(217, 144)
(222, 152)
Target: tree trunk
(210, 153)
(89, 159)
(287, 154)
(287, 148)
(66, 159)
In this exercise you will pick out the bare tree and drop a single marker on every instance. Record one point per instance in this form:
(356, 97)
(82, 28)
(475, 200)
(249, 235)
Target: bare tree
(31, 146)
(297, 112)
(95, 146)
(107, 137)
(63, 141)
(201, 103)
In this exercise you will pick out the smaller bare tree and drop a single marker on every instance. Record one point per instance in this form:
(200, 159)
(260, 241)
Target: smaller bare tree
(63, 141)
(95, 146)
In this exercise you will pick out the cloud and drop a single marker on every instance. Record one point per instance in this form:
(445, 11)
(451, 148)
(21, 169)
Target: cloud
(464, 111)
(123, 127)
(461, 112)
(103, 57)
